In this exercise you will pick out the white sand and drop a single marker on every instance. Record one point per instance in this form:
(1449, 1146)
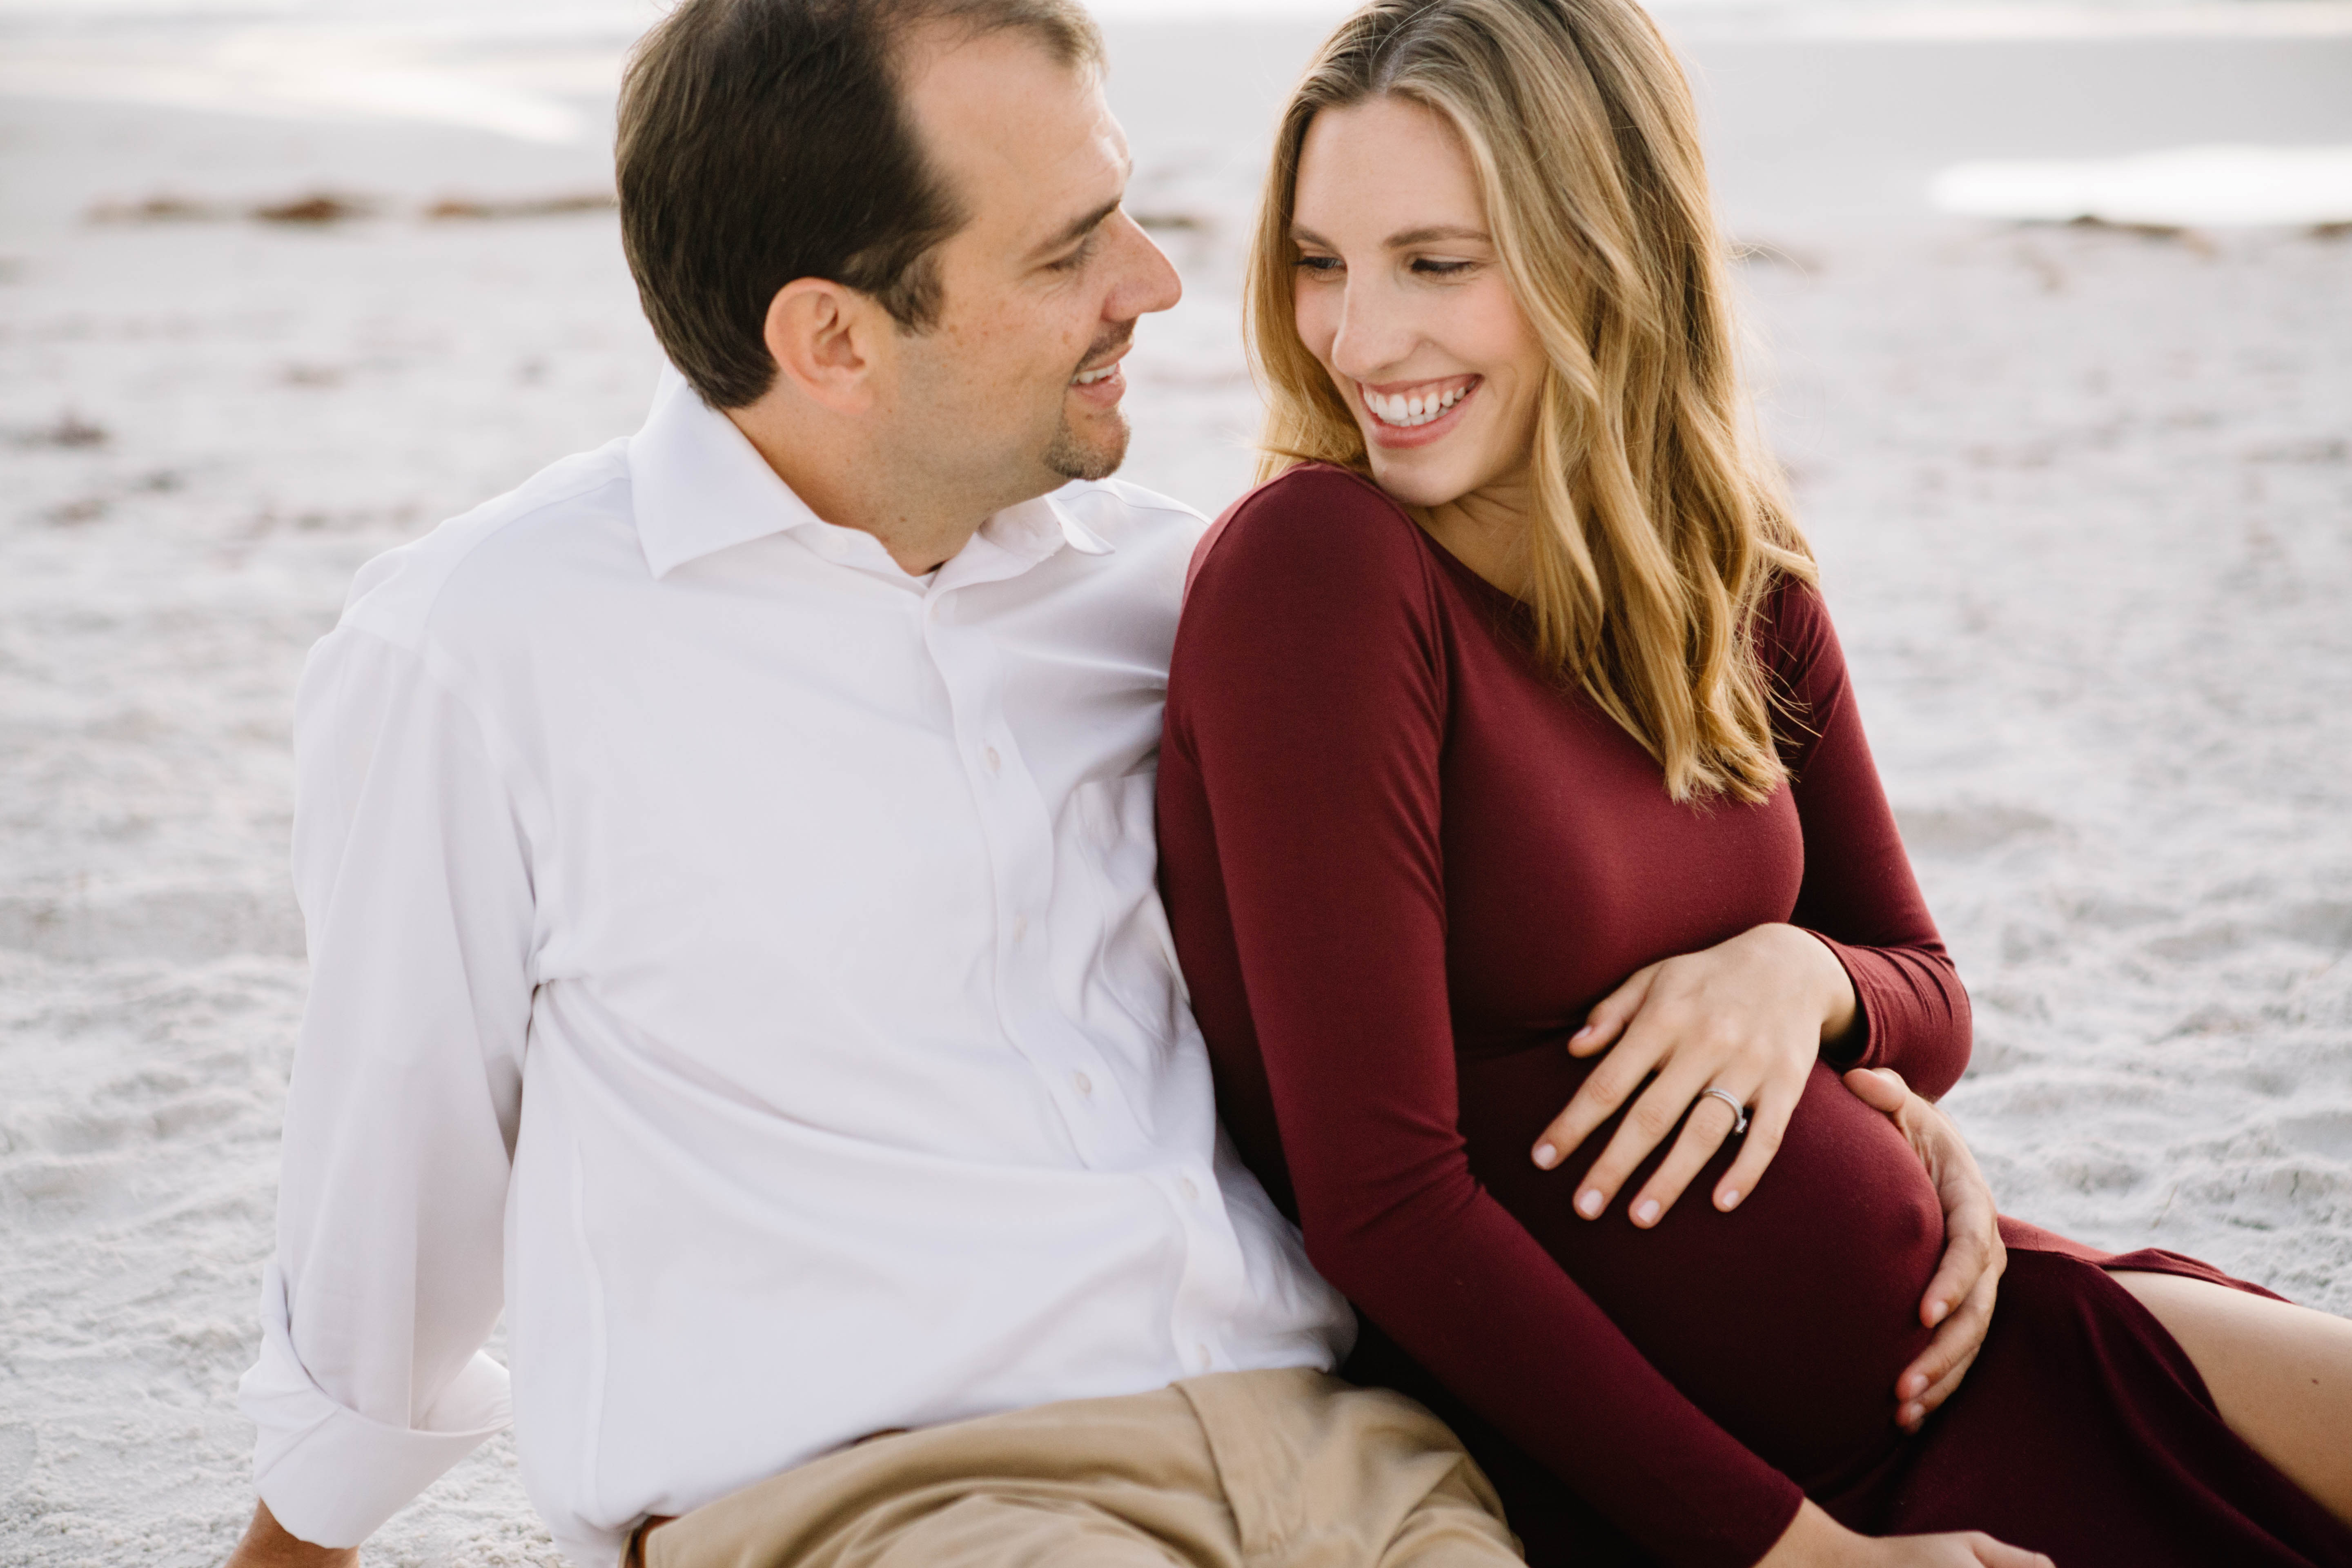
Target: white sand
(2081, 499)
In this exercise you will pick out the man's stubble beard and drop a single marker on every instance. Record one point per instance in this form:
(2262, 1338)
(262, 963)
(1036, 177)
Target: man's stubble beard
(1075, 459)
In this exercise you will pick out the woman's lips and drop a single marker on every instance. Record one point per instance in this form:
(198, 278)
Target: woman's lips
(1396, 436)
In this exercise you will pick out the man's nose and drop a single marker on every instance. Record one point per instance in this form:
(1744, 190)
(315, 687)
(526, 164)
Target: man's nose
(1147, 280)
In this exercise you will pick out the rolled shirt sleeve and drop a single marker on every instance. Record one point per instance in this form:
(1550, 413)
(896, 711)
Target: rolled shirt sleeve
(412, 866)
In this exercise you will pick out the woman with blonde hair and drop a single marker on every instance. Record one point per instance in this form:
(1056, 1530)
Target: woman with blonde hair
(1510, 763)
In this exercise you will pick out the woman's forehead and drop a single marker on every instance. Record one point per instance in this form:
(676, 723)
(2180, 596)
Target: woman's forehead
(1383, 166)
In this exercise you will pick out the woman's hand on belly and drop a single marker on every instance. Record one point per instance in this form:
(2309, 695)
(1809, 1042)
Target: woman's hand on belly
(1745, 1020)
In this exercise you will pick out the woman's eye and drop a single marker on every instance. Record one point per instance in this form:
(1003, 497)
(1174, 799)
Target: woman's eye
(1432, 269)
(1319, 264)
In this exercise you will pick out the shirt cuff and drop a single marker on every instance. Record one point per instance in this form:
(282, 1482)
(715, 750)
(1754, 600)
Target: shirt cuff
(332, 1475)
(1859, 1048)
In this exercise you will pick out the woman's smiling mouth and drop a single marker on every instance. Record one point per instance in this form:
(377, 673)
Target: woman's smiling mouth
(1404, 413)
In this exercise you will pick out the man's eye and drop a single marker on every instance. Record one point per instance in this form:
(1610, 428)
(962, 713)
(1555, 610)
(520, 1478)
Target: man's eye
(1075, 259)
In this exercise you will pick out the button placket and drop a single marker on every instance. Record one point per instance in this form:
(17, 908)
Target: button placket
(1213, 1285)
(1022, 856)
(1104, 1127)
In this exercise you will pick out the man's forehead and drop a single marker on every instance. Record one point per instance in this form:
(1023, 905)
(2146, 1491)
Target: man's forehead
(1026, 141)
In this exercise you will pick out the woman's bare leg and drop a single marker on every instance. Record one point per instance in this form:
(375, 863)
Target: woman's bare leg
(2280, 1375)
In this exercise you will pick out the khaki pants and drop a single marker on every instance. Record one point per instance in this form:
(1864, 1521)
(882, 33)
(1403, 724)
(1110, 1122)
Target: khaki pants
(1245, 1469)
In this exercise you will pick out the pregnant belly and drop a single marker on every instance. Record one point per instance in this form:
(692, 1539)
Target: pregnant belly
(1786, 1320)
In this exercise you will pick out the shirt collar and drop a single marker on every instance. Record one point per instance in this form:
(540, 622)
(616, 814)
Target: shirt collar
(1038, 528)
(699, 486)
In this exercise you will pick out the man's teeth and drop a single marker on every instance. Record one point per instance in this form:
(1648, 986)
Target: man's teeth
(1088, 377)
(1407, 410)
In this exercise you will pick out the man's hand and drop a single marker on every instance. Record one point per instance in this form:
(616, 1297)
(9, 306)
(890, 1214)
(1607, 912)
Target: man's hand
(267, 1544)
(1960, 1300)
(1815, 1539)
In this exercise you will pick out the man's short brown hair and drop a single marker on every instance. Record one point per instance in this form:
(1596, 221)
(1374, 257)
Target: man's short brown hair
(763, 140)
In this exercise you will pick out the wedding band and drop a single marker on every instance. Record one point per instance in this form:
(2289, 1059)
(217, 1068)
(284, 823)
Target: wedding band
(1732, 1100)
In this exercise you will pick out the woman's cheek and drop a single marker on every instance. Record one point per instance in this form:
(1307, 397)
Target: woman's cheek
(1318, 322)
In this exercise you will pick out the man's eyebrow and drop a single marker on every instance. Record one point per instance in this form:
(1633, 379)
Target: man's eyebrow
(1078, 229)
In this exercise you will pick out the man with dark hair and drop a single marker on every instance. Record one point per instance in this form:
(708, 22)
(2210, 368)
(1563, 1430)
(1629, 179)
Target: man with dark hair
(728, 872)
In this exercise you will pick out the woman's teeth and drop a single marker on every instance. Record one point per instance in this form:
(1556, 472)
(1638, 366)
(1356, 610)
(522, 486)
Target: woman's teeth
(1088, 377)
(1405, 410)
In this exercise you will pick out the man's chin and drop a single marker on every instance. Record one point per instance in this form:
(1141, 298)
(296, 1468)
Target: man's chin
(1094, 456)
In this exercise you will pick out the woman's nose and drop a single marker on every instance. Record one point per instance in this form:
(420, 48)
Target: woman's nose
(1374, 334)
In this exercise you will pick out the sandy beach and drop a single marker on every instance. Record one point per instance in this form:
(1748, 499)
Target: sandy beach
(2082, 497)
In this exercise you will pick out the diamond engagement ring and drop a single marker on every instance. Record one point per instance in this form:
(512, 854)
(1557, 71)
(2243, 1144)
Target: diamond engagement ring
(1732, 1100)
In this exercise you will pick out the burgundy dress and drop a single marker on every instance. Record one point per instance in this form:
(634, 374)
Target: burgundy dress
(1401, 862)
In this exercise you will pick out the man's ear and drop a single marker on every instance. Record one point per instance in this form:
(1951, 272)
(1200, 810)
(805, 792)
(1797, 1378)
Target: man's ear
(828, 341)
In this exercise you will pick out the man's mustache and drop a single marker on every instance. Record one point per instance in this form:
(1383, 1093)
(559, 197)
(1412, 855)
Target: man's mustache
(1106, 349)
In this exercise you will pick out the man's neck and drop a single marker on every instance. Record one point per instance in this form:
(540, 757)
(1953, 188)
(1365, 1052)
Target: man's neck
(922, 533)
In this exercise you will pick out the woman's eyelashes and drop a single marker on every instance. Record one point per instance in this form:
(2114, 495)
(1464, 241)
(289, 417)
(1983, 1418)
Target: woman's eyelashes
(1440, 267)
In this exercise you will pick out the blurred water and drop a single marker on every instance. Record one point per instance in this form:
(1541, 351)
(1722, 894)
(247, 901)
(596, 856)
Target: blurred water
(603, 17)
(545, 70)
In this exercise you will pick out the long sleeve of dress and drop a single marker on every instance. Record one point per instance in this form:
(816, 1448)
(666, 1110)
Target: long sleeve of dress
(1859, 896)
(1318, 731)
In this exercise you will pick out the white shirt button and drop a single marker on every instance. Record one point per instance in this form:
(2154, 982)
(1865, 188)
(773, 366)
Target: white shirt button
(1189, 1189)
(1085, 1085)
(990, 760)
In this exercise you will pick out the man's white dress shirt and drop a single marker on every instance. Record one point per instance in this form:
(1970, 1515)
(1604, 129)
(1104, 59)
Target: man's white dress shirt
(740, 960)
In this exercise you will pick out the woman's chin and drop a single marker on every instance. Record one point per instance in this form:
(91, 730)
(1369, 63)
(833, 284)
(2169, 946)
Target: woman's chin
(1421, 477)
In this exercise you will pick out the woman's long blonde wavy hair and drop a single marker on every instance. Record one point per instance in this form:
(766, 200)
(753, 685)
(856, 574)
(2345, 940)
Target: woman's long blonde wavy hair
(1661, 523)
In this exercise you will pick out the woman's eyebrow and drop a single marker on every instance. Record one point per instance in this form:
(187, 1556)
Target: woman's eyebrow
(1301, 235)
(1436, 232)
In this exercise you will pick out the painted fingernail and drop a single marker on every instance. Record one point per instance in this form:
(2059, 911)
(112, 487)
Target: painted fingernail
(1646, 1212)
(1547, 1156)
(1730, 1201)
(1588, 1202)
